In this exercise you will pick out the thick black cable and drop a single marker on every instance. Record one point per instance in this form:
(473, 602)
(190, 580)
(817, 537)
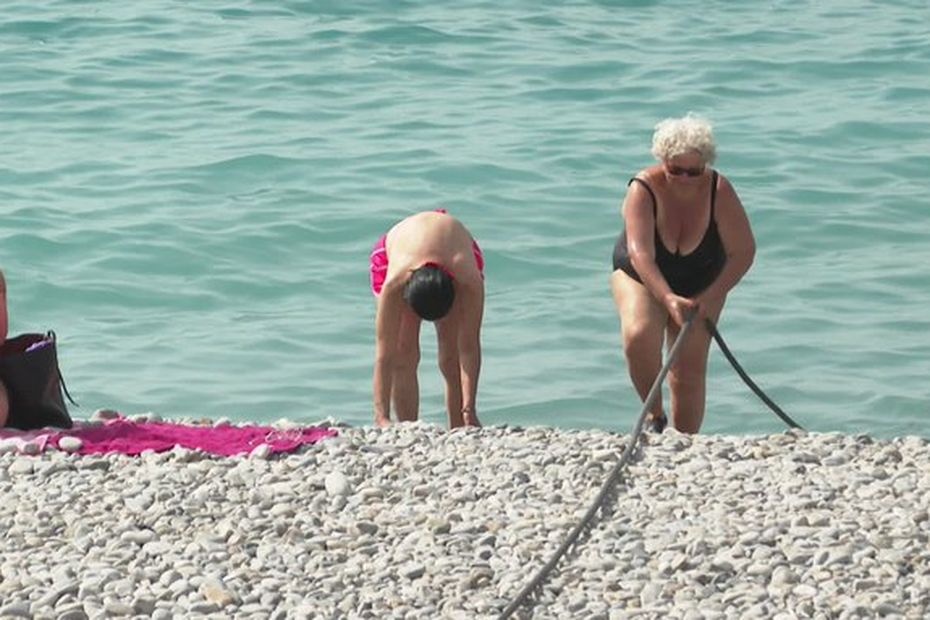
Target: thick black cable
(745, 377)
(587, 521)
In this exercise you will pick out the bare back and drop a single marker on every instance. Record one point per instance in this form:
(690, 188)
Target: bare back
(431, 237)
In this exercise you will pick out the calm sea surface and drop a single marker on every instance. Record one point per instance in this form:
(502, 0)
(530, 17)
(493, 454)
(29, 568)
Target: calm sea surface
(189, 193)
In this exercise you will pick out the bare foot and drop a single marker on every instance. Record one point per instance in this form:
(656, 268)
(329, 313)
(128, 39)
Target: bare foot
(470, 418)
(382, 422)
(656, 424)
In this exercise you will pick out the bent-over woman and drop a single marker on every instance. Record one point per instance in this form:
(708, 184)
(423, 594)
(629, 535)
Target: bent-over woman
(427, 267)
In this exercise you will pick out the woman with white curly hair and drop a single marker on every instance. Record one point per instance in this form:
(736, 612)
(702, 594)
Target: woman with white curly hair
(687, 242)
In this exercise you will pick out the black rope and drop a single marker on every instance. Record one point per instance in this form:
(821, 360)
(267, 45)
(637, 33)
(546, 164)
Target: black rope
(745, 377)
(587, 521)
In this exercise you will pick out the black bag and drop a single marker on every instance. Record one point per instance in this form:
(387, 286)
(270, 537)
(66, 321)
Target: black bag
(29, 370)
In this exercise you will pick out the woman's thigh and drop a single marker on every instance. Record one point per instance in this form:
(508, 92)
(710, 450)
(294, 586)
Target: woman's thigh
(641, 314)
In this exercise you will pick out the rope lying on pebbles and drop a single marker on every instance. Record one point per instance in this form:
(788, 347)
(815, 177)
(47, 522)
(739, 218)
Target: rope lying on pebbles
(256, 538)
(418, 522)
(605, 496)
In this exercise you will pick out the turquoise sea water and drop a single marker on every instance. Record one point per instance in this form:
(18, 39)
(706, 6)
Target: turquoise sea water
(189, 192)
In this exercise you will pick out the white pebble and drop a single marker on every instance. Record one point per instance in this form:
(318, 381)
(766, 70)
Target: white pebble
(70, 444)
(261, 452)
(337, 484)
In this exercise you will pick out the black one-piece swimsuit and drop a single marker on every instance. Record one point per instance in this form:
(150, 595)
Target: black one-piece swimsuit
(686, 274)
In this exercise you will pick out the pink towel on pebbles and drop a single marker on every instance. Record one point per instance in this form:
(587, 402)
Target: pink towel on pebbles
(19, 441)
(133, 438)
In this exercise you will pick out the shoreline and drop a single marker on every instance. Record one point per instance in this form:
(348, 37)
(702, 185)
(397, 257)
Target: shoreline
(414, 521)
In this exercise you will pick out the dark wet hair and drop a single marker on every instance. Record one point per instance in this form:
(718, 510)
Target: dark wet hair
(429, 292)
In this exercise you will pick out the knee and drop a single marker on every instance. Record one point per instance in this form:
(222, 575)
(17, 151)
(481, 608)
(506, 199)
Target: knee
(449, 364)
(639, 342)
(407, 359)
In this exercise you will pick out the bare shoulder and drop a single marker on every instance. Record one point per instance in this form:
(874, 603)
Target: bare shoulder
(638, 195)
(651, 178)
(727, 198)
(469, 279)
(463, 259)
(392, 289)
(728, 204)
(650, 174)
(389, 302)
(469, 293)
(2, 282)
(467, 275)
(731, 217)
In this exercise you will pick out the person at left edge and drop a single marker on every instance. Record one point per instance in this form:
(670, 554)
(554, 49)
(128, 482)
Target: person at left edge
(427, 267)
(4, 326)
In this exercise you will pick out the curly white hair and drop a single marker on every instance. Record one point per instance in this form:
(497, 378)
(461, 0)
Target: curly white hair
(689, 134)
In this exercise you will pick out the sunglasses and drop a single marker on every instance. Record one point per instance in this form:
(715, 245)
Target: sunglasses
(677, 171)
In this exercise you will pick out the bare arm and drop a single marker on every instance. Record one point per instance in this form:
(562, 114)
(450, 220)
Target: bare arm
(387, 322)
(469, 344)
(738, 241)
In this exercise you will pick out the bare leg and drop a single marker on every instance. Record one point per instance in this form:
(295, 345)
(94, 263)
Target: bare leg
(642, 322)
(405, 392)
(447, 332)
(4, 325)
(4, 405)
(687, 378)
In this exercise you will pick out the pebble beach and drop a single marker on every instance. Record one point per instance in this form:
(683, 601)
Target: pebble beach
(415, 521)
